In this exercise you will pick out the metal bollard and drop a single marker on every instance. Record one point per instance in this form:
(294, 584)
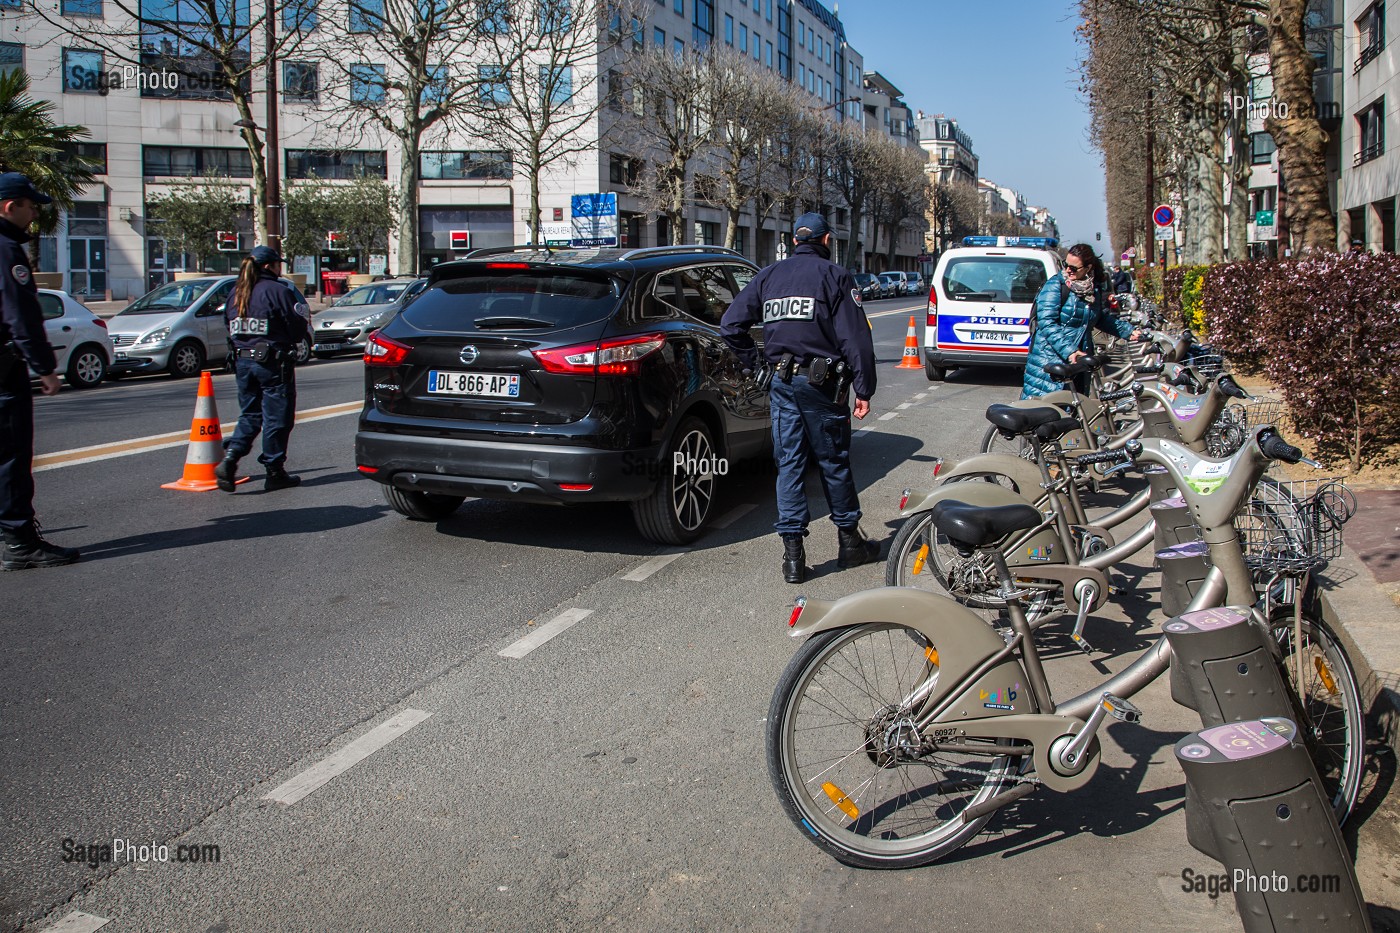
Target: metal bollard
(1173, 523)
(1223, 667)
(1254, 803)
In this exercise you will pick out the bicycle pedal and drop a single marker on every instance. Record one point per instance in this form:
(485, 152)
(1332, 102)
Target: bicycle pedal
(1084, 646)
(1121, 709)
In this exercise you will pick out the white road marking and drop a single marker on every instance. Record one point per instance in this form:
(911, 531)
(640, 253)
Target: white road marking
(862, 431)
(544, 633)
(921, 307)
(734, 514)
(920, 396)
(904, 406)
(78, 922)
(651, 566)
(888, 415)
(141, 445)
(357, 751)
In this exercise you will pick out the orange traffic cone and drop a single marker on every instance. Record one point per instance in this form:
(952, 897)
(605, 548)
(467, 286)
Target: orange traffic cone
(206, 443)
(910, 359)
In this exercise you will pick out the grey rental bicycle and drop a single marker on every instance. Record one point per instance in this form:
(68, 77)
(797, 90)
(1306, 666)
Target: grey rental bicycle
(905, 721)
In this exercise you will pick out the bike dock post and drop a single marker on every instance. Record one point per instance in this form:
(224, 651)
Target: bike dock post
(1255, 804)
(1223, 668)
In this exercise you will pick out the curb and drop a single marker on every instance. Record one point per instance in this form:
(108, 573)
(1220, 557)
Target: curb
(1367, 621)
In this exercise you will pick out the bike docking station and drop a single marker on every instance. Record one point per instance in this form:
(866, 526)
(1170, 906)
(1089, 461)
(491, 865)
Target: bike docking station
(1254, 801)
(1255, 804)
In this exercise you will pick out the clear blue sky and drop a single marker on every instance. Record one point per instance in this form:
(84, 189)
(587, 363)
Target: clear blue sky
(1006, 71)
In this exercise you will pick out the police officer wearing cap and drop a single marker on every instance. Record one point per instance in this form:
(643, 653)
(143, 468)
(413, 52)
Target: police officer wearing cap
(817, 346)
(266, 327)
(23, 346)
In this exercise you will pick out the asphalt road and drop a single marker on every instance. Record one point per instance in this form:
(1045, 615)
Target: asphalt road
(210, 647)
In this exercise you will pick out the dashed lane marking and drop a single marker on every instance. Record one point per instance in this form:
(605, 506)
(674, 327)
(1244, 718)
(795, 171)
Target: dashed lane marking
(904, 406)
(141, 445)
(921, 307)
(888, 415)
(651, 566)
(78, 922)
(863, 431)
(544, 633)
(920, 396)
(357, 751)
(734, 514)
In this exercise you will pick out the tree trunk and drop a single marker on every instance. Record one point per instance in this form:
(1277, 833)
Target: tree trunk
(409, 171)
(1302, 142)
(534, 220)
(731, 225)
(256, 155)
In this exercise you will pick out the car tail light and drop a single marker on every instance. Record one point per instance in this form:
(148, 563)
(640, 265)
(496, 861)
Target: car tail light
(932, 307)
(618, 357)
(383, 351)
(576, 487)
(99, 322)
(507, 265)
(797, 610)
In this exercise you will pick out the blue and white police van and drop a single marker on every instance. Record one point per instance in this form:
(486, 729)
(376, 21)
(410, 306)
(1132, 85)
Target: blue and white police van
(981, 301)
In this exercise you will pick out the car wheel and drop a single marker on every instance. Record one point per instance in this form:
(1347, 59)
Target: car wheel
(676, 510)
(934, 373)
(87, 366)
(303, 351)
(422, 506)
(186, 360)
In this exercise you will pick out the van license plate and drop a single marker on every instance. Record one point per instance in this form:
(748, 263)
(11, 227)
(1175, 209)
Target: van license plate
(993, 336)
(495, 385)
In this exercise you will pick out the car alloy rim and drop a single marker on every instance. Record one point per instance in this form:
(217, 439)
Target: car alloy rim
(693, 485)
(186, 360)
(89, 367)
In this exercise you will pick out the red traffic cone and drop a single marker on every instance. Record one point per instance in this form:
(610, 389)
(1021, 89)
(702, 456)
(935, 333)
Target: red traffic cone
(206, 443)
(910, 360)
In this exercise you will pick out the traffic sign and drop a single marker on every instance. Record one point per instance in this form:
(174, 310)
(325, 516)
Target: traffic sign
(1163, 216)
(1130, 253)
(1166, 233)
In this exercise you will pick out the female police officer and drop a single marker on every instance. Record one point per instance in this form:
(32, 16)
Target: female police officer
(265, 326)
(817, 339)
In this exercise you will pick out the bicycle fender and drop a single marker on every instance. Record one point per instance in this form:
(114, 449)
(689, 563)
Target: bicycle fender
(1024, 475)
(983, 494)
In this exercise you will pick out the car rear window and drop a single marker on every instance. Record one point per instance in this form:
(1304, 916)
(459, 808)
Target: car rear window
(514, 299)
(993, 278)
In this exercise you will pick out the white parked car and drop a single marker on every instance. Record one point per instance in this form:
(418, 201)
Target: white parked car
(78, 337)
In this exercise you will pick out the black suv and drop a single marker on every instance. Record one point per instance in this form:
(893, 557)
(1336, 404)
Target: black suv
(560, 376)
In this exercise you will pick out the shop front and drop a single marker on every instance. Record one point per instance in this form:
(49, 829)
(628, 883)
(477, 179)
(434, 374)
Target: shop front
(483, 226)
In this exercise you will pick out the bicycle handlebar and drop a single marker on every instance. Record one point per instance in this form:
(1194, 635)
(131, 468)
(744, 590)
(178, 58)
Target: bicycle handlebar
(1276, 448)
(1230, 387)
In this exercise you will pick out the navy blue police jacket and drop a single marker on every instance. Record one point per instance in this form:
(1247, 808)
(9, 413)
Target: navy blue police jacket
(21, 317)
(810, 307)
(272, 316)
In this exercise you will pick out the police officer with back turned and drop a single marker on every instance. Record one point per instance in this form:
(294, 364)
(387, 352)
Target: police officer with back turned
(816, 345)
(23, 345)
(265, 327)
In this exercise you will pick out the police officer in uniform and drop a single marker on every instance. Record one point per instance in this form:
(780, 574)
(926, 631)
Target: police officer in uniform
(23, 345)
(816, 345)
(266, 327)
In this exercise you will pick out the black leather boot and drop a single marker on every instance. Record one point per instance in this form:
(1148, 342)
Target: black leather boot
(856, 549)
(279, 478)
(226, 472)
(794, 559)
(25, 549)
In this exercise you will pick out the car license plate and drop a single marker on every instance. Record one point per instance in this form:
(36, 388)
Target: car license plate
(329, 345)
(496, 385)
(993, 336)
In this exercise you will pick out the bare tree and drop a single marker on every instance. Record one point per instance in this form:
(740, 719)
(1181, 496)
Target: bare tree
(671, 102)
(900, 194)
(854, 172)
(212, 48)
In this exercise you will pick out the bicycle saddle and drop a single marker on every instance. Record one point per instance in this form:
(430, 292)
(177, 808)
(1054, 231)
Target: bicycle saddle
(974, 526)
(1022, 420)
(1064, 371)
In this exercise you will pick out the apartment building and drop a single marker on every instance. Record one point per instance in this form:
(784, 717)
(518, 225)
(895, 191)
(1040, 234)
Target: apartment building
(1370, 181)
(951, 157)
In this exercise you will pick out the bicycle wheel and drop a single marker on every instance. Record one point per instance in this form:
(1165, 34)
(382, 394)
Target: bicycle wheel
(850, 767)
(994, 442)
(1331, 720)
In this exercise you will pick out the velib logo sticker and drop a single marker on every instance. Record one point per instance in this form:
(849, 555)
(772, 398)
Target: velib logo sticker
(1000, 699)
(789, 309)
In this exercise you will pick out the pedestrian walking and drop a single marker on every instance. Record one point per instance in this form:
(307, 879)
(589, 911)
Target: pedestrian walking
(23, 346)
(266, 327)
(817, 347)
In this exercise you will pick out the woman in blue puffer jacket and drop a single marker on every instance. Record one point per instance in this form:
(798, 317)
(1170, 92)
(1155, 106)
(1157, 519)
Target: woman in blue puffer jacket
(1067, 309)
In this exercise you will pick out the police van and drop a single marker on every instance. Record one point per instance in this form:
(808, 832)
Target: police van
(981, 301)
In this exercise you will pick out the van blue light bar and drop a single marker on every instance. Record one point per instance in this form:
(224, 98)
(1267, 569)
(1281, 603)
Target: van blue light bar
(1034, 242)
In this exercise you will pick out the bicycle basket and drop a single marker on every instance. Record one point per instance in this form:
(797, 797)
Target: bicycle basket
(1295, 526)
(1238, 421)
(1207, 362)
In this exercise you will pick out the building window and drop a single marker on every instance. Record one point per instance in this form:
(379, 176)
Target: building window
(299, 16)
(1370, 30)
(623, 170)
(801, 75)
(706, 233)
(190, 162)
(11, 57)
(613, 90)
(493, 85)
(94, 153)
(680, 7)
(743, 38)
(87, 218)
(82, 72)
(658, 38)
(195, 76)
(329, 163)
(82, 7)
(366, 15)
(367, 84)
(439, 86)
(11, 4)
(1261, 87)
(703, 28)
(555, 16)
(1261, 148)
(769, 11)
(639, 34)
(300, 82)
(556, 84)
(757, 46)
(494, 166)
(768, 54)
(728, 29)
(1370, 128)
(678, 46)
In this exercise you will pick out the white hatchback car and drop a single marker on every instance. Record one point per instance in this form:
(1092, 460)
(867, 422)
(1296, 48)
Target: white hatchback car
(78, 337)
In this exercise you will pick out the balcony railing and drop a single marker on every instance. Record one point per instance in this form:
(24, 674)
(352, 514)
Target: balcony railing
(1368, 153)
(1368, 54)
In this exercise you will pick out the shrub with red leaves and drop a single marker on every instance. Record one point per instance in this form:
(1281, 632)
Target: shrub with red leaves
(1172, 281)
(1230, 295)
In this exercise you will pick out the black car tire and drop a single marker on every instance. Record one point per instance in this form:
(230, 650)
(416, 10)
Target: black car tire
(87, 367)
(303, 349)
(679, 506)
(422, 506)
(186, 360)
(935, 373)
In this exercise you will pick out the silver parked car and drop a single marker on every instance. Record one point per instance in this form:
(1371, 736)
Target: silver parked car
(79, 339)
(179, 327)
(345, 326)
